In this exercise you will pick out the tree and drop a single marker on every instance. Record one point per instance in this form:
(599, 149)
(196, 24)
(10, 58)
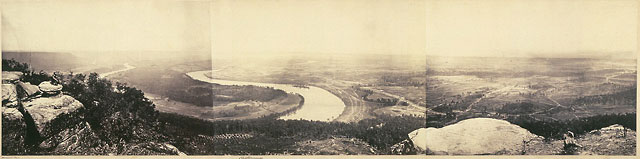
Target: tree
(13, 65)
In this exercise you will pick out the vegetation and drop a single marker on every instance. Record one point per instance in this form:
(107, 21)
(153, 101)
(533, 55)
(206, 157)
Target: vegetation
(116, 113)
(242, 93)
(121, 116)
(370, 96)
(402, 80)
(381, 132)
(523, 107)
(169, 83)
(13, 65)
(627, 97)
(555, 129)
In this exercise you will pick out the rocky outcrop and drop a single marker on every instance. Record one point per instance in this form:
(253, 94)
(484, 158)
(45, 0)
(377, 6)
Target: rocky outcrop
(419, 139)
(405, 147)
(47, 88)
(10, 76)
(37, 119)
(29, 89)
(334, 146)
(611, 140)
(11, 113)
(474, 136)
(45, 109)
(9, 95)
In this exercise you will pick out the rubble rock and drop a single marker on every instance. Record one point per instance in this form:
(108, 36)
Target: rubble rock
(405, 147)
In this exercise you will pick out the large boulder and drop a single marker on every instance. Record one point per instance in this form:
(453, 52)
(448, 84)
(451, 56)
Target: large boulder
(9, 95)
(45, 109)
(419, 139)
(474, 136)
(10, 76)
(29, 89)
(49, 88)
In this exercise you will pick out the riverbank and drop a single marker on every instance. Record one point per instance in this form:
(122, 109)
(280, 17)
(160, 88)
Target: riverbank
(232, 111)
(319, 104)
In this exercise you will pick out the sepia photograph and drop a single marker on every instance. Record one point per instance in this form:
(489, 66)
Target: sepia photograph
(547, 77)
(319, 78)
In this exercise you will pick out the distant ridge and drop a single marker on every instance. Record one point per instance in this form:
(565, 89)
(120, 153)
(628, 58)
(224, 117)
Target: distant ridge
(47, 61)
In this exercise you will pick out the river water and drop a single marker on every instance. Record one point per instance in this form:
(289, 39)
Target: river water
(127, 68)
(319, 104)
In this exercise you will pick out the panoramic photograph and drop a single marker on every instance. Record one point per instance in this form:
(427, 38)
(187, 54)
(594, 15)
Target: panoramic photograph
(531, 78)
(213, 77)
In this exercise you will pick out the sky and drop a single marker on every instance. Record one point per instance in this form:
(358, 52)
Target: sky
(274, 27)
(542, 28)
(103, 26)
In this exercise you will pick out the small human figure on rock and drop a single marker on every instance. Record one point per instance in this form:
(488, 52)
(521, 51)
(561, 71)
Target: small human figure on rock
(570, 144)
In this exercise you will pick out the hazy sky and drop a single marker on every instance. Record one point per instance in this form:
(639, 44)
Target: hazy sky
(324, 26)
(554, 28)
(109, 25)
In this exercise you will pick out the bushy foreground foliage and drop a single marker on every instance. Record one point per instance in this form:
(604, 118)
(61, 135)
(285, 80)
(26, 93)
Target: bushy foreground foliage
(381, 132)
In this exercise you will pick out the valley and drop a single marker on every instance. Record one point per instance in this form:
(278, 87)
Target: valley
(529, 89)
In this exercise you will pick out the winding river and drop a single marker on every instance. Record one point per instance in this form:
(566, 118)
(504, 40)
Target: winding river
(127, 68)
(319, 104)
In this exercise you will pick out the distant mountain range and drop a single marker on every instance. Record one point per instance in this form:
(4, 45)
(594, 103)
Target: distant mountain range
(47, 61)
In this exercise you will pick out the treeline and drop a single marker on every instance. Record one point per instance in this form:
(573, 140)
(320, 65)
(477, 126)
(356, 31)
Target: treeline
(523, 107)
(243, 93)
(381, 132)
(13, 65)
(384, 101)
(401, 80)
(551, 129)
(197, 95)
(29, 75)
(627, 97)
